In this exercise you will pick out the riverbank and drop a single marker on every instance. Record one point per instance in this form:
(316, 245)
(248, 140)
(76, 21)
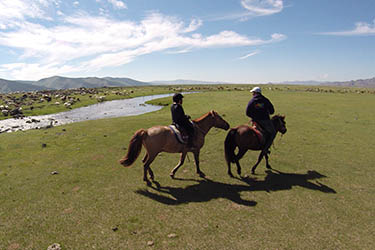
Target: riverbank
(108, 109)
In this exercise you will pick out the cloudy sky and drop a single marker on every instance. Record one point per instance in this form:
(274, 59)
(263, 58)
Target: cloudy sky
(243, 41)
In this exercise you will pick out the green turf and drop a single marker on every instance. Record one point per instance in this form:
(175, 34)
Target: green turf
(320, 195)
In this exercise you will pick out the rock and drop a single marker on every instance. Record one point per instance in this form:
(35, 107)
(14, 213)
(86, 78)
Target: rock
(5, 112)
(150, 243)
(54, 172)
(54, 246)
(172, 235)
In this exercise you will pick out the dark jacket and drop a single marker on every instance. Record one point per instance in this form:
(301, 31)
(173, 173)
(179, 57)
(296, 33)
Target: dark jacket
(180, 119)
(259, 108)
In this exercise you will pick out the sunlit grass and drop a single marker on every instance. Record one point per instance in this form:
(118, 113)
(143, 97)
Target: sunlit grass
(320, 195)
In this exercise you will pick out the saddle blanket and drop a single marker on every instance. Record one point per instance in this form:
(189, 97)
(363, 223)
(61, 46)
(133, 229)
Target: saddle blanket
(258, 134)
(178, 134)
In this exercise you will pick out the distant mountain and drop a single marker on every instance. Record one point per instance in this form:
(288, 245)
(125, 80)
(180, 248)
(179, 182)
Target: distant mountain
(58, 82)
(302, 83)
(186, 82)
(7, 86)
(363, 83)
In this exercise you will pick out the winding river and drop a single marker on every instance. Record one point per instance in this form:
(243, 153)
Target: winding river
(109, 109)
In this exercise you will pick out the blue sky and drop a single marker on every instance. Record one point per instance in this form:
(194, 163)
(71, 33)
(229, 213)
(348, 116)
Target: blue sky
(238, 41)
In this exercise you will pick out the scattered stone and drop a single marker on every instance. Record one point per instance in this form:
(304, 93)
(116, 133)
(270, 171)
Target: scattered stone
(44, 145)
(54, 246)
(14, 246)
(172, 235)
(114, 229)
(150, 243)
(54, 172)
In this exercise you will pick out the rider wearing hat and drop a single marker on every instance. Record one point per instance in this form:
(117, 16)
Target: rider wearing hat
(259, 110)
(180, 120)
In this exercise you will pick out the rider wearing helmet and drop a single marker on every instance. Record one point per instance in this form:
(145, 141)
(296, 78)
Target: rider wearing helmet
(259, 110)
(180, 120)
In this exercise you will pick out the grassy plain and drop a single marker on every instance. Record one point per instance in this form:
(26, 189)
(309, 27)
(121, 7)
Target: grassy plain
(320, 195)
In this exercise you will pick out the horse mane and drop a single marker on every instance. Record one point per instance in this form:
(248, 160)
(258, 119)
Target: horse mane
(212, 112)
(278, 116)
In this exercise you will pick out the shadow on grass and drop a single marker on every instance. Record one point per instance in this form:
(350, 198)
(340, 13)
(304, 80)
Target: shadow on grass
(206, 190)
(277, 181)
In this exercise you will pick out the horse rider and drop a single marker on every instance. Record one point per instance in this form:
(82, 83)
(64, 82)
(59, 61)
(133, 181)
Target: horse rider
(259, 110)
(180, 120)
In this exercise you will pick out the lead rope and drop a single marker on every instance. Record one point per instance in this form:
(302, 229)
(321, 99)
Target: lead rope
(273, 143)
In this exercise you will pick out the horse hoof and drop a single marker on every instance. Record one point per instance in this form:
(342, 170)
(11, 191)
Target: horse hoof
(230, 175)
(171, 175)
(268, 166)
(201, 174)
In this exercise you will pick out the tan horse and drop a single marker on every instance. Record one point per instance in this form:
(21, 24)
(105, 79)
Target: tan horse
(245, 137)
(162, 139)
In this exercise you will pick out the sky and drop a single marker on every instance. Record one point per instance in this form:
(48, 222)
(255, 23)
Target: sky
(236, 41)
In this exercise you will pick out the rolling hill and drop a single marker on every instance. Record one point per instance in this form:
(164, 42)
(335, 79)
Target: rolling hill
(7, 86)
(363, 83)
(58, 82)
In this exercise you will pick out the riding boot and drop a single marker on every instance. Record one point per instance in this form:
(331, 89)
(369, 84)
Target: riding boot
(267, 143)
(190, 143)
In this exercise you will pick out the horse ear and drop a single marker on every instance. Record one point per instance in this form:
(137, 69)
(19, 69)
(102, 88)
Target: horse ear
(213, 112)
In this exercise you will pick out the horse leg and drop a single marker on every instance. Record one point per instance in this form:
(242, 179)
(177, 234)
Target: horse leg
(240, 154)
(267, 164)
(180, 163)
(260, 157)
(147, 169)
(196, 159)
(145, 158)
(229, 170)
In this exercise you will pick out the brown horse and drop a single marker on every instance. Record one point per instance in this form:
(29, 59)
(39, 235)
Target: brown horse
(162, 139)
(246, 137)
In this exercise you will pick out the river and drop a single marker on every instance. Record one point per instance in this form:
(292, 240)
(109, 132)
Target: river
(109, 109)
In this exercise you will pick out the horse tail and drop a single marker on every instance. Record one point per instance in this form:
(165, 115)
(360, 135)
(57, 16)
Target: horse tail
(230, 146)
(134, 149)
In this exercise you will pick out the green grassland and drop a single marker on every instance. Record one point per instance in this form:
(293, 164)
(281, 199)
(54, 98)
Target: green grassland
(320, 194)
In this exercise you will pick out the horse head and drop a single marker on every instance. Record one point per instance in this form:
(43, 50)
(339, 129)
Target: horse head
(219, 122)
(279, 123)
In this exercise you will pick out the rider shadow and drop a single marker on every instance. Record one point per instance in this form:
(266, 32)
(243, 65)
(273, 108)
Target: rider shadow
(278, 181)
(205, 190)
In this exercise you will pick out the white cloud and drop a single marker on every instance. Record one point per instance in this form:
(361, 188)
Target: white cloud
(249, 55)
(361, 29)
(253, 8)
(86, 43)
(118, 4)
(36, 71)
(194, 25)
(262, 7)
(21, 9)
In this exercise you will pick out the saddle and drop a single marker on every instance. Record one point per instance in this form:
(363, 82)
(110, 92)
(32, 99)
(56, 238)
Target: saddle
(180, 135)
(259, 132)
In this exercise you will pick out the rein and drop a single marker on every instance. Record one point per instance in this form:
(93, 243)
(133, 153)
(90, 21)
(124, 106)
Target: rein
(200, 129)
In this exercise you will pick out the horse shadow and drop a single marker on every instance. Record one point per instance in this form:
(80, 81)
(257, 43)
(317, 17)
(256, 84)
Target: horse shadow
(276, 180)
(205, 190)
